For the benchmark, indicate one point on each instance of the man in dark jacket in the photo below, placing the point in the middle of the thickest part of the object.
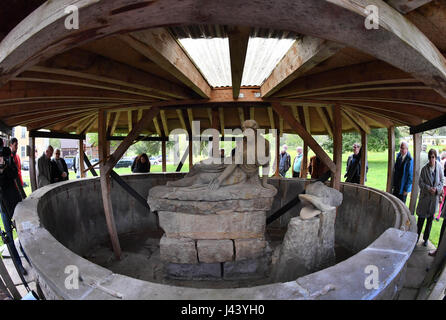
(353, 172)
(59, 169)
(285, 161)
(402, 173)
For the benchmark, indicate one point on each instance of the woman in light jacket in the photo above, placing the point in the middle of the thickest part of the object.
(431, 187)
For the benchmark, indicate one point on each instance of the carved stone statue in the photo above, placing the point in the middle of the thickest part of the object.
(221, 181)
(216, 215)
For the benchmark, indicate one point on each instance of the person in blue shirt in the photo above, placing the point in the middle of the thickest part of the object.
(297, 162)
(402, 173)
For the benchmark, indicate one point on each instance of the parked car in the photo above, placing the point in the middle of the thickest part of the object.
(153, 160)
(25, 165)
(124, 163)
(70, 163)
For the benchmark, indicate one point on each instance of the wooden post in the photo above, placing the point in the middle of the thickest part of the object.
(416, 171)
(106, 185)
(81, 158)
(363, 157)
(337, 147)
(163, 155)
(32, 163)
(390, 156)
(304, 164)
(191, 155)
(276, 174)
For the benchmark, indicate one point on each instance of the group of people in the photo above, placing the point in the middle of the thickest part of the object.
(316, 168)
(11, 186)
(51, 170)
(432, 181)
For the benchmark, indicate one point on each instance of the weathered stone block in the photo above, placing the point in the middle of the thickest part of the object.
(225, 225)
(248, 268)
(299, 250)
(326, 253)
(211, 251)
(249, 248)
(178, 250)
(200, 271)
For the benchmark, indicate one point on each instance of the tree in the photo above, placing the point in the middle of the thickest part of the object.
(376, 140)
(55, 143)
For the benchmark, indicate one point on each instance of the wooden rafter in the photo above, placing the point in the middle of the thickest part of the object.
(221, 114)
(369, 73)
(406, 6)
(307, 119)
(190, 115)
(304, 54)
(325, 120)
(271, 118)
(157, 126)
(180, 116)
(241, 115)
(164, 122)
(159, 46)
(238, 45)
(357, 119)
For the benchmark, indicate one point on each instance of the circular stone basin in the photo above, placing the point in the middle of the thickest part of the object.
(62, 228)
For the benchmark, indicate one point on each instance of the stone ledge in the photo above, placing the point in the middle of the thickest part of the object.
(228, 225)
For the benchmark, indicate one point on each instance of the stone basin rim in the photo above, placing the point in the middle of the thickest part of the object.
(41, 246)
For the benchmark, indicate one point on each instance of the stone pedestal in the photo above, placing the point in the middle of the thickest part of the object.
(223, 245)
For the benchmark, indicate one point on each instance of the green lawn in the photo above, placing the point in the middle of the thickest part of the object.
(376, 178)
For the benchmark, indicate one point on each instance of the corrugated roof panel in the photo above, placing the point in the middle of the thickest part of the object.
(262, 56)
(212, 57)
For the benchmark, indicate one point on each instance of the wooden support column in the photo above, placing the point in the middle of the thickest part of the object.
(337, 147)
(276, 174)
(106, 185)
(304, 164)
(191, 155)
(390, 156)
(81, 157)
(32, 163)
(416, 171)
(163, 155)
(363, 157)
(303, 121)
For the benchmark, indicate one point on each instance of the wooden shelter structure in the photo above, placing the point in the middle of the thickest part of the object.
(124, 70)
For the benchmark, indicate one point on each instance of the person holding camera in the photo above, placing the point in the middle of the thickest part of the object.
(9, 197)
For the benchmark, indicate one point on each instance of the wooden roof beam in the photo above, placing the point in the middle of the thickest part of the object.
(325, 120)
(304, 54)
(158, 45)
(368, 73)
(164, 122)
(86, 65)
(406, 6)
(357, 119)
(180, 116)
(238, 45)
(25, 46)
